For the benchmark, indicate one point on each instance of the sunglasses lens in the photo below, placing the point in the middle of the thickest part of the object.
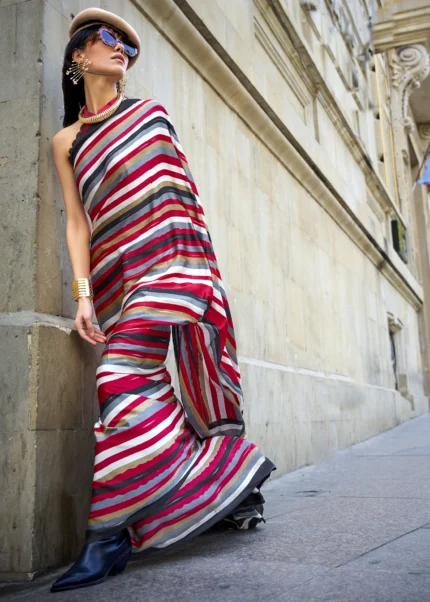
(130, 50)
(107, 37)
(110, 40)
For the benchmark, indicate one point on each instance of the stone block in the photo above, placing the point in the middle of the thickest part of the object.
(17, 482)
(57, 379)
(69, 305)
(19, 151)
(17, 265)
(14, 378)
(295, 315)
(47, 406)
(213, 17)
(90, 357)
(264, 388)
(244, 151)
(240, 15)
(64, 467)
(212, 105)
(235, 260)
(20, 31)
(48, 283)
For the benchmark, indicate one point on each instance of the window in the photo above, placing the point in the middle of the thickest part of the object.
(398, 234)
(397, 354)
(394, 358)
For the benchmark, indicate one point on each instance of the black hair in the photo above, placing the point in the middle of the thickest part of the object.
(74, 94)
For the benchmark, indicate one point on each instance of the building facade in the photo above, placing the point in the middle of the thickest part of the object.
(305, 126)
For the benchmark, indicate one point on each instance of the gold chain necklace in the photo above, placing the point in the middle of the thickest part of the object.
(104, 114)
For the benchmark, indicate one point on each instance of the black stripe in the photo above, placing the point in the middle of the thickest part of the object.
(92, 128)
(133, 210)
(125, 482)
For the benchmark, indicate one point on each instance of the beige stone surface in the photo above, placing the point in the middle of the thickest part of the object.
(48, 408)
(18, 472)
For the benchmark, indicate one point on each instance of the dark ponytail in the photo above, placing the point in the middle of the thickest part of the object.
(74, 94)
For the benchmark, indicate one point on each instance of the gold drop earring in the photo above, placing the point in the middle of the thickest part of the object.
(122, 82)
(78, 69)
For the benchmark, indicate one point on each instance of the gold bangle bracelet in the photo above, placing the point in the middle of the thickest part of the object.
(82, 288)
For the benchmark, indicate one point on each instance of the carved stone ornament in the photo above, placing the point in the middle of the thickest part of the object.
(424, 131)
(394, 323)
(410, 66)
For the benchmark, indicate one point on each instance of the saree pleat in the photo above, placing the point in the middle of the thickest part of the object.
(167, 469)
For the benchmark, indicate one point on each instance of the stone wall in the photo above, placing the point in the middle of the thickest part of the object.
(297, 213)
(47, 388)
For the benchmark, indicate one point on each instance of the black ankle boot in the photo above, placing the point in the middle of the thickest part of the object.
(97, 560)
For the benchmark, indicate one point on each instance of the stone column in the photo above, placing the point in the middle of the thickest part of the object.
(410, 65)
(47, 372)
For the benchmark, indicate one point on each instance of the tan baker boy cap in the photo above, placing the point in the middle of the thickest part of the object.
(91, 16)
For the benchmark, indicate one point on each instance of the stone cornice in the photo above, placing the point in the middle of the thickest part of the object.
(178, 22)
(402, 23)
(336, 114)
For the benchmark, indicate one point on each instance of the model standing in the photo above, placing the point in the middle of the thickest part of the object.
(141, 253)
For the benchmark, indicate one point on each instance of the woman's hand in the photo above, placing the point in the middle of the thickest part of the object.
(84, 324)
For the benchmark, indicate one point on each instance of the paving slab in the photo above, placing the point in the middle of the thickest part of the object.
(408, 553)
(345, 585)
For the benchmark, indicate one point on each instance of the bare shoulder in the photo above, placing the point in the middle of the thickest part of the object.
(63, 139)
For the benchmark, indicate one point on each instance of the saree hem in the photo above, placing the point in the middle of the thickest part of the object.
(259, 478)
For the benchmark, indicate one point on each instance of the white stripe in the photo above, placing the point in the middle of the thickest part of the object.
(138, 126)
(129, 370)
(116, 410)
(119, 141)
(141, 192)
(203, 459)
(148, 173)
(113, 319)
(101, 380)
(178, 280)
(216, 511)
(147, 234)
(135, 441)
(161, 300)
(125, 153)
(127, 401)
(105, 126)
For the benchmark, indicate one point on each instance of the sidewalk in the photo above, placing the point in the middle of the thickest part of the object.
(353, 529)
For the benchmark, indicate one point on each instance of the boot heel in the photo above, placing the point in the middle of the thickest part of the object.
(120, 564)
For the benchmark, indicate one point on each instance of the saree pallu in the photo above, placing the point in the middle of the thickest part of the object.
(166, 469)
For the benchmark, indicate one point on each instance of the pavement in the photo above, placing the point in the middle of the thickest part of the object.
(355, 528)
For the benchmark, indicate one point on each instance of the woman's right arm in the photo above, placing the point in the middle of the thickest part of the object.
(77, 235)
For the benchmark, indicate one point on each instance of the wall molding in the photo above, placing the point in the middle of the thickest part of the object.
(335, 113)
(300, 91)
(188, 34)
(401, 24)
(340, 378)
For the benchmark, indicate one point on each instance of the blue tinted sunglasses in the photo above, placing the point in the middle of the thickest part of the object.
(110, 40)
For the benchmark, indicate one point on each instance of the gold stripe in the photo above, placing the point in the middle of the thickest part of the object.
(196, 516)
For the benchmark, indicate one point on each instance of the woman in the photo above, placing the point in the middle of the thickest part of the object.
(164, 471)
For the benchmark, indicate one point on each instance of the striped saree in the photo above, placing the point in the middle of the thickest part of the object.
(166, 469)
